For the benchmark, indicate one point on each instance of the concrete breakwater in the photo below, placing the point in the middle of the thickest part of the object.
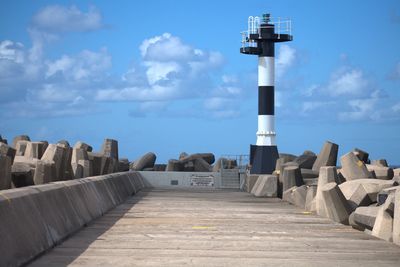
(360, 192)
(36, 218)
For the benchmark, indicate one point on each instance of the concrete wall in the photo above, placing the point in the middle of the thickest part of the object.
(181, 179)
(36, 218)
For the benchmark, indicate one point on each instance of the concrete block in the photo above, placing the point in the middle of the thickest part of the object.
(309, 174)
(174, 166)
(327, 156)
(353, 168)
(86, 168)
(305, 161)
(326, 175)
(225, 164)
(296, 196)
(77, 170)
(96, 160)
(337, 208)
(35, 150)
(20, 147)
(5, 172)
(291, 176)
(183, 155)
(22, 174)
(55, 153)
(84, 146)
(363, 218)
(63, 143)
(287, 157)
(311, 204)
(250, 180)
(19, 138)
(8, 151)
(208, 157)
(79, 154)
(2, 140)
(278, 164)
(123, 165)
(311, 181)
(381, 172)
(380, 163)
(66, 171)
(396, 218)
(108, 165)
(110, 149)
(145, 161)
(200, 165)
(340, 176)
(160, 167)
(359, 198)
(45, 172)
(280, 175)
(288, 196)
(384, 193)
(189, 166)
(371, 186)
(80, 163)
(265, 186)
(383, 227)
(361, 155)
(309, 153)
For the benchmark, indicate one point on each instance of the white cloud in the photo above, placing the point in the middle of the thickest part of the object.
(54, 93)
(154, 93)
(360, 109)
(166, 47)
(87, 64)
(161, 71)
(344, 82)
(308, 106)
(396, 107)
(168, 70)
(347, 82)
(173, 70)
(12, 51)
(310, 90)
(284, 60)
(56, 18)
(229, 79)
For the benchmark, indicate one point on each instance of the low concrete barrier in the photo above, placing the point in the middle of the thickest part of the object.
(36, 218)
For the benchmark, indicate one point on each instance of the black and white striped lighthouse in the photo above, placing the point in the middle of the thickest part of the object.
(260, 39)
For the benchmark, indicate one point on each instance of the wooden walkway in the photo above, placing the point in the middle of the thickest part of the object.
(216, 228)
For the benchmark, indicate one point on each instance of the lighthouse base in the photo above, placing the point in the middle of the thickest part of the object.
(263, 159)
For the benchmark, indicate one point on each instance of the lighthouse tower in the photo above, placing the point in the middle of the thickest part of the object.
(260, 39)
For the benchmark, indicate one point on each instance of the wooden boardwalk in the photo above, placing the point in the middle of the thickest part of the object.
(216, 228)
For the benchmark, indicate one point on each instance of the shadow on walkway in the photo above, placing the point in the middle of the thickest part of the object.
(80, 241)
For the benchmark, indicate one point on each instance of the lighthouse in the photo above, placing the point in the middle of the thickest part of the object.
(260, 39)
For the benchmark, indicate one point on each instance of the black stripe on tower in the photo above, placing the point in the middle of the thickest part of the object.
(266, 100)
(267, 49)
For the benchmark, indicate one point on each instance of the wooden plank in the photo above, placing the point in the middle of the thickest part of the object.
(217, 228)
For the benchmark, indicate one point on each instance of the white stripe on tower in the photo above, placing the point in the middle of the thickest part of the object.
(266, 71)
(266, 122)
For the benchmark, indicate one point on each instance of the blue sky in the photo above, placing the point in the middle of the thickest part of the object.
(167, 76)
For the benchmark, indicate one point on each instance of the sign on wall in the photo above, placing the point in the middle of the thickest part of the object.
(202, 180)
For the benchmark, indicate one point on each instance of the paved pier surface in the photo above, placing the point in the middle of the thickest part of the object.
(216, 228)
